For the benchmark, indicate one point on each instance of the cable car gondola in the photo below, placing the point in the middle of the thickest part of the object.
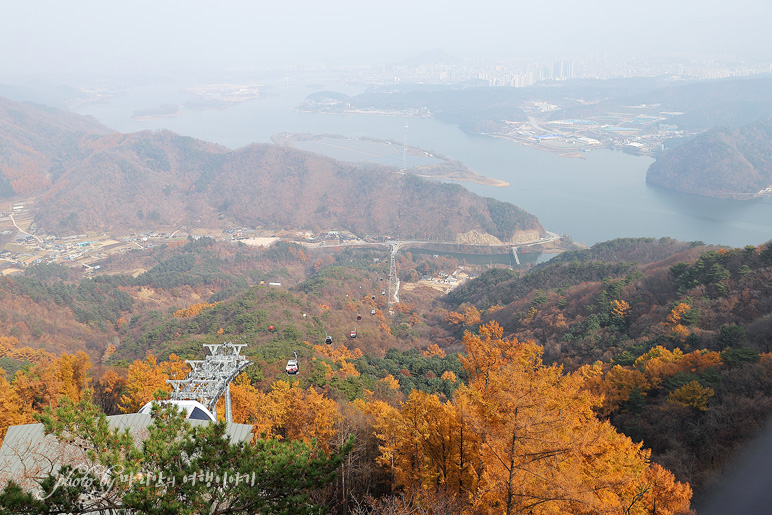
(354, 333)
(292, 365)
(359, 316)
(328, 340)
(372, 311)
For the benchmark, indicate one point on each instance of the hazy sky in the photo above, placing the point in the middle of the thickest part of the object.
(55, 36)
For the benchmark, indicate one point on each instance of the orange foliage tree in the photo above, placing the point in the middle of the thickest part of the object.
(12, 410)
(692, 394)
(41, 385)
(193, 309)
(244, 400)
(47, 381)
(468, 317)
(108, 391)
(675, 315)
(619, 309)
(147, 377)
(521, 437)
(434, 350)
(341, 356)
(613, 386)
(286, 412)
(423, 444)
(660, 363)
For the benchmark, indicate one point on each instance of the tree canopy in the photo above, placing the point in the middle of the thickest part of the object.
(177, 469)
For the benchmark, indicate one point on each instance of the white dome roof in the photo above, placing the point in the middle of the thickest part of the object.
(193, 409)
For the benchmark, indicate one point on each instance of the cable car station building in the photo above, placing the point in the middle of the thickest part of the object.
(28, 454)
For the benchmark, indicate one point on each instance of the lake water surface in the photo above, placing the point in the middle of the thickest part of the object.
(597, 198)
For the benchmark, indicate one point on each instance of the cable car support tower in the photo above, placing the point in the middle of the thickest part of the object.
(393, 277)
(211, 377)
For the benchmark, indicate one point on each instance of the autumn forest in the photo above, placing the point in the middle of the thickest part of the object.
(623, 378)
(608, 380)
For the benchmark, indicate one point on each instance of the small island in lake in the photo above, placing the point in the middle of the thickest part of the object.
(162, 111)
(223, 96)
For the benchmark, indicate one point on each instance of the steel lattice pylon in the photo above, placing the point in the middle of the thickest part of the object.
(393, 277)
(211, 377)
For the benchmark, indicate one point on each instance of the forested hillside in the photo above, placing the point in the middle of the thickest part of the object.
(56, 308)
(679, 347)
(83, 177)
(37, 144)
(411, 453)
(630, 351)
(722, 163)
(667, 341)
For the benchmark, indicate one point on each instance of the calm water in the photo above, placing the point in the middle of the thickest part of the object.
(600, 197)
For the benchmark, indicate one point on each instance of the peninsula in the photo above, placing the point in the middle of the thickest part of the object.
(383, 152)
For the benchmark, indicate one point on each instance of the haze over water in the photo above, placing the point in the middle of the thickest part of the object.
(598, 198)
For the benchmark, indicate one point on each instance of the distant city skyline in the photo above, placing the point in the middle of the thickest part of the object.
(79, 37)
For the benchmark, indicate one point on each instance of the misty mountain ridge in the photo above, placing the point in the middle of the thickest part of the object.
(42, 92)
(37, 143)
(87, 177)
(705, 104)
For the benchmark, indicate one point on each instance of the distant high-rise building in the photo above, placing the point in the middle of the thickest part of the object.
(563, 69)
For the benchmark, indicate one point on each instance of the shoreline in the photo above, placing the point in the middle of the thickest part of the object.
(483, 181)
(445, 169)
(567, 153)
(151, 117)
